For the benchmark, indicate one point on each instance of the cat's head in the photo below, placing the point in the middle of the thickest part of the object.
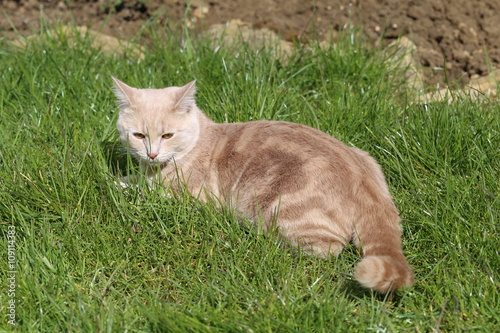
(158, 125)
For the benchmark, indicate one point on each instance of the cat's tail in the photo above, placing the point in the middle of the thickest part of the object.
(384, 267)
(384, 273)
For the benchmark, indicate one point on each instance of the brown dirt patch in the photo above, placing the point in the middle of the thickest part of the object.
(461, 36)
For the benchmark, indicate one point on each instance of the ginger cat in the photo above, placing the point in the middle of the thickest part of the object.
(320, 193)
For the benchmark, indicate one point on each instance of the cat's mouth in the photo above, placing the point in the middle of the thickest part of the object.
(157, 163)
(160, 162)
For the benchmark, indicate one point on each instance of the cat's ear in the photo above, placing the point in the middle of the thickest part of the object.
(185, 97)
(124, 93)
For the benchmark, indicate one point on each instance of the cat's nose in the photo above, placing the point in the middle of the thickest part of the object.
(152, 155)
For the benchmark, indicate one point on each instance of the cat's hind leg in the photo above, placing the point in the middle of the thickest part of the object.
(314, 233)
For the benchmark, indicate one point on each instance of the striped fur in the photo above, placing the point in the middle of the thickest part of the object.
(320, 193)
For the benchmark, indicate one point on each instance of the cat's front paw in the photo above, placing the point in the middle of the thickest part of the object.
(126, 182)
(122, 184)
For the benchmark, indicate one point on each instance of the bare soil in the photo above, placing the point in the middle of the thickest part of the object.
(461, 36)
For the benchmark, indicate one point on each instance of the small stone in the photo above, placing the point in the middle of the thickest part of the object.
(201, 8)
(462, 56)
(201, 12)
(487, 85)
(106, 43)
(61, 6)
(10, 5)
(406, 57)
(237, 31)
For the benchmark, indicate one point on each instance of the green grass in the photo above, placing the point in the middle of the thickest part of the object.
(92, 257)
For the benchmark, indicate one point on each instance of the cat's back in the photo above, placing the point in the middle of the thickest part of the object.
(272, 139)
(286, 157)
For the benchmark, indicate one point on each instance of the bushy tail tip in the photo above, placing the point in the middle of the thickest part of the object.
(384, 273)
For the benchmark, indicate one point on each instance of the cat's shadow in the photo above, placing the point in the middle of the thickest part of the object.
(119, 161)
(352, 288)
(355, 292)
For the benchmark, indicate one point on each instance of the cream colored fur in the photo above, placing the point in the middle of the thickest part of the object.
(321, 193)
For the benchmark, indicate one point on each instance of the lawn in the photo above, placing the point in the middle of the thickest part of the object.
(81, 254)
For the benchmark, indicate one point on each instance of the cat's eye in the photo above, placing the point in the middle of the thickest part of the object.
(167, 135)
(139, 135)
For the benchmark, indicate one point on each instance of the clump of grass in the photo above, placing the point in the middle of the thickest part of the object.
(94, 257)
